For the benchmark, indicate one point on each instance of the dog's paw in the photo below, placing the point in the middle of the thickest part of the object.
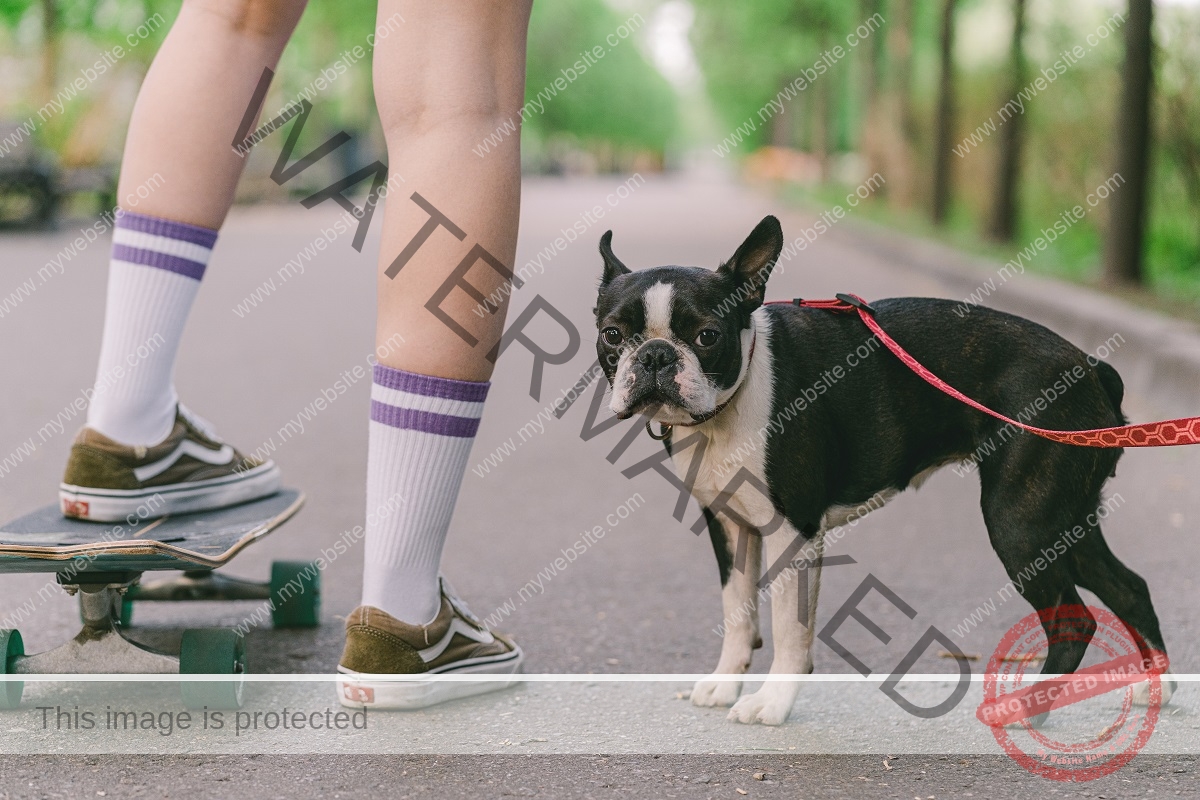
(1141, 691)
(1035, 722)
(770, 705)
(716, 693)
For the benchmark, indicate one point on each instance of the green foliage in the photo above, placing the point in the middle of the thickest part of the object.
(11, 11)
(620, 98)
(1174, 240)
(1068, 152)
(98, 25)
(324, 36)
(748, 51)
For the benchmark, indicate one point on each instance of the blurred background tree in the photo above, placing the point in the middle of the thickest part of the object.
(925, 114)
(1173, 237)
(619, 108)
(943, 124)
(46, 44)
(622, 106)
(1131, 138)
(1006, 211)
(749, 52)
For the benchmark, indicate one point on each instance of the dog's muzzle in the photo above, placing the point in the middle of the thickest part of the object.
(654, 369)
(656, 357)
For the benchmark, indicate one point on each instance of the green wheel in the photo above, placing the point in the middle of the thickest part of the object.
(295, 594)
(212, 651)
(12, 646)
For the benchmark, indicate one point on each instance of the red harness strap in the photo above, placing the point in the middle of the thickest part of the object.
(1147, 434)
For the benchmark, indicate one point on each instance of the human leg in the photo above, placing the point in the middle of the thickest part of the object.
(177, 183)
(443, 82)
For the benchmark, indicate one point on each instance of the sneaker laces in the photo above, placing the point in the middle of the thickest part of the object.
(198, 422)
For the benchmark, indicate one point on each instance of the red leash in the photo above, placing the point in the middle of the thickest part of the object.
(1147, 434)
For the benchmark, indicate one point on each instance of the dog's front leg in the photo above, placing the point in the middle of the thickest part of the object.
(772, 704)
(739, 624)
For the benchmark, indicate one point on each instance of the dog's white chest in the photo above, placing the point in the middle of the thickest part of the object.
(735, 440)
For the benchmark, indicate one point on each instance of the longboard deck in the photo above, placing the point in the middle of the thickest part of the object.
(46, 541)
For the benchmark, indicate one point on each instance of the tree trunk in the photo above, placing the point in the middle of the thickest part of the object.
(1127, 215)
(871, 141)
(944, 124)
(823, 115)
(50, 27)
(1180, 141)
(781, 123)
(1006, 212)
(899, 120)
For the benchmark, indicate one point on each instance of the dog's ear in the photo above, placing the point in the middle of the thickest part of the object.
(613, 267)
(751, 265)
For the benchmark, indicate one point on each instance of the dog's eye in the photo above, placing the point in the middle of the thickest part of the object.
(612, 336)
(708, 337)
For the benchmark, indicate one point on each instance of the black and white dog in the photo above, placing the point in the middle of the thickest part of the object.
(701, 348)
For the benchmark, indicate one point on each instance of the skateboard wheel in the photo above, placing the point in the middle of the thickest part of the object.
(212, 651)
(295, 594)
(12, 646)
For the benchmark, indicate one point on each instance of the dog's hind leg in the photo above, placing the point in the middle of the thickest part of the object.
(1024, 518)
(1099, 571)
(739, 603)
(792, 638)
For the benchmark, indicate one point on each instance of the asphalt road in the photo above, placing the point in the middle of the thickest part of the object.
(577, 777)
(642, 599)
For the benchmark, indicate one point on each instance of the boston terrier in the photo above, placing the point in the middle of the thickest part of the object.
(786, 422)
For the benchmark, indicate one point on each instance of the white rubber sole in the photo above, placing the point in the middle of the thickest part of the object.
(367, 691)
(119, 505)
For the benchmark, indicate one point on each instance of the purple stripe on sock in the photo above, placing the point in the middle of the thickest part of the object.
(151, 258)
(205, 237)
(429, 386)
(424, 421)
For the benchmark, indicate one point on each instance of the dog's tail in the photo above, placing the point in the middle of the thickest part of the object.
(1114, 387)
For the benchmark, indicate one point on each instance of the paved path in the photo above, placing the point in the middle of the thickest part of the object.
(641, 599)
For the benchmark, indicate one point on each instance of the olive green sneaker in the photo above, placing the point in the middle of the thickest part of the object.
(190, 470)
(455, 643)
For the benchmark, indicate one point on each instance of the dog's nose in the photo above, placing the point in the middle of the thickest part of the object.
(655, 356)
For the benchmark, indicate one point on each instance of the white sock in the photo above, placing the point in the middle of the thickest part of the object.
(422, 429)
(152, 279)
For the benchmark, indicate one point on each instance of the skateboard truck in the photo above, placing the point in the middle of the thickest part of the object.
(293, 592)
(200, 585)
(101, 647)
(103, 566)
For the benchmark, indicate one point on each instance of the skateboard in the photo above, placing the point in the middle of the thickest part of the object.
(103, 564)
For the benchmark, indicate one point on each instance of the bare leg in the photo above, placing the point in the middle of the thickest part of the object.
(192, 100)
(444, 81)
(177, 182)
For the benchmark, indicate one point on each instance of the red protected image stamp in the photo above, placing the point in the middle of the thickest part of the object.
(1080, 749)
